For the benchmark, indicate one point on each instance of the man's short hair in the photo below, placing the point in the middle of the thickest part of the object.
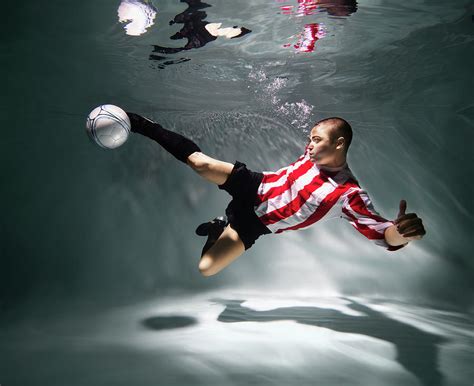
(340, 129)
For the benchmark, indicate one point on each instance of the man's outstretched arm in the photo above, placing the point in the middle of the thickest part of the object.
(407, 227)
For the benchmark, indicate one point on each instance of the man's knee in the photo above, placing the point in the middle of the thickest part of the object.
(198, 161)
(206, 266)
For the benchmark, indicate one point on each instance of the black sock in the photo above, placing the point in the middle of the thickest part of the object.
(180, 147)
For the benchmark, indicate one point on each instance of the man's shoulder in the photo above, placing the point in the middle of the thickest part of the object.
(346, 177)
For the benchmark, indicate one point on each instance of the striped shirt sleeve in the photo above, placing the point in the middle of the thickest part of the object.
(361, 214)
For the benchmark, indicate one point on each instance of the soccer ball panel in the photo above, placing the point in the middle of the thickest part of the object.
(108, 126)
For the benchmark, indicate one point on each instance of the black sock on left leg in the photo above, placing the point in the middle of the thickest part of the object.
(176, 144)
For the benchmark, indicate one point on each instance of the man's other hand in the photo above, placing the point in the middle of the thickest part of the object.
(409, 225)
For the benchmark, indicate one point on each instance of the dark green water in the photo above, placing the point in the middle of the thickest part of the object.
(83, 224)
(98, 278)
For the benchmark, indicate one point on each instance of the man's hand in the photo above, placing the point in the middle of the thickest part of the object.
(409, 225)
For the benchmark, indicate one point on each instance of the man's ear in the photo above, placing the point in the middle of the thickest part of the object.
(340, 143)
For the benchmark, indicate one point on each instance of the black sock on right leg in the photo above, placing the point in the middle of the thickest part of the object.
(216, 228)
(207, 246)
(176, 144)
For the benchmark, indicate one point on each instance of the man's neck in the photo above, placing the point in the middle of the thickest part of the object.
(335, 166)
(333, 169)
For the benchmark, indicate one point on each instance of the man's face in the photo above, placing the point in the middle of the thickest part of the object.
(322, 148)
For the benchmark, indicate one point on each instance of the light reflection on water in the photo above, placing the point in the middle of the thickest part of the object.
(196, 31)
(138, 16)
(230, 338)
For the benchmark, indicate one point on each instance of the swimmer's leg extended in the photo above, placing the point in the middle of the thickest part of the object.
(216, 254)
(183, 149)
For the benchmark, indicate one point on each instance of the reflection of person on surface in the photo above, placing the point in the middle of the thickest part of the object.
(307, 39)
(312, 32)
(416, 349)
(196, 30)
(318, 185)
(338, 7)
(311, 7)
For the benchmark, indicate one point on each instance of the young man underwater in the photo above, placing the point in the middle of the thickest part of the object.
(318, 185)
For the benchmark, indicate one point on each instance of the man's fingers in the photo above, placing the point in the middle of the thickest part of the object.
(419, 232)
(407, 230)
(405, 217)
(404, 225)
(409, 225)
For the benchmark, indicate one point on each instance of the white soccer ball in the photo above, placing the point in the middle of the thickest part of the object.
(108, 126)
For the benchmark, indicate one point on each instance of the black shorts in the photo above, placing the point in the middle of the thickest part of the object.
(242, 185)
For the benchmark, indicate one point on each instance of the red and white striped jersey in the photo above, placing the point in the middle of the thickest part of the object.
(301, 194)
